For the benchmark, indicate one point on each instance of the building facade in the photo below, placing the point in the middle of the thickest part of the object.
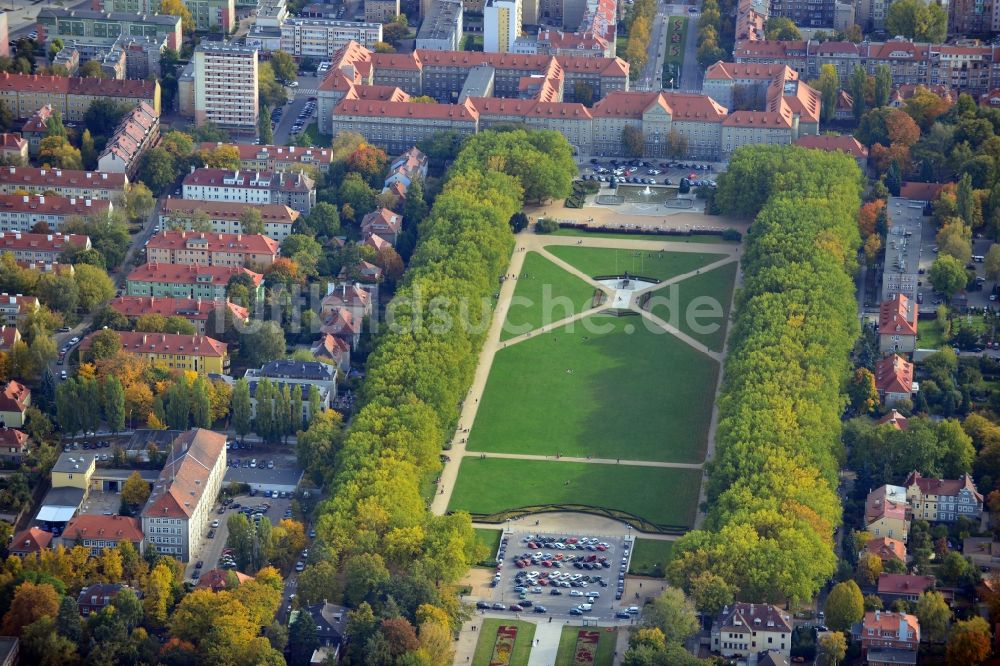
(943, 500)
(207, 249)
(198, 353)
(187, 281)
(321, 38)
(502, 20)
(109, 25)
(197, 312)
(897, 325)
(21, 212)
(136, 133)
(278, 158)
(226, 85)
(40, 247)
(742, 629)
(64, 183)
(295, 190)
(225, 216)
(71, 96)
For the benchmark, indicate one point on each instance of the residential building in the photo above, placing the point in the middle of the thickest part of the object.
(9, 336)
(894, 419)
(4, 51)
(14, 401)
(198, 353)
(14, 148)
(306, 375)
(73, 470)
(71, 96)
(94, 597)
(278, 158)
(889, 639)
(384, 223)
(179, 510)
(331, 626)
(943, 500)
(98, 532)
(295, 190)
(226, 87)
(217, 580)
(377, 243)
(886, 513)
(322, 38)
(441, 28)
(742, 629)
(897, 324)
(335, 349)
(64, 183)
(110, 25)
(894, 379)
(48, 267)
(27, 246)
(20, 213)
(409, 166)
(14, 308)
(28, 542)
(225, 216)
(196, 311)
(14, 445)
(187, 281)
(203, 248)
(905, 587)
(837, 143)
(136, 133)
(208, 15)
(341, 323)
(886, 549)
(35, 128)
(502, 21)
(381, 11)
(806, 13)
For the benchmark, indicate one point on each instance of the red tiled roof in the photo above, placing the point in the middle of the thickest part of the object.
(31, 176)
(228, 210)
(137, 342)
(681, 106)
(213, 242)
(499, 106)
(12, 141)
(15, 397)
(38, 123)
(894, 374)
(13, 438)
(895, 419)
(383, 218)
(189, 274)
(749, 70)
(920, 191)
(341, 321)
(844, 143)
(464, 112)
(22, 240)
(897, 50)
(189, 308)
(41, 204)
(742, 616)
(330, 346)
(942, 487)
(217, 579)
(897, 316)
(347, 295)
(9, 336)
(129, 88)
(772, 49)
(879, 503)
(887, 548)
(887, 622)
(249, 151)
(109, 528)
(890, 583)
(30, 541)
(184, 478)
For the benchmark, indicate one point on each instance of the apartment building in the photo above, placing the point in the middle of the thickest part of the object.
(225, 216)
(15, 307)
(197, 353)
(21, 212)
(208, 15)
(196, 311)
(742, 629)
(136, 133)
(501, 25)
(441, 28)
(14, 148)
(806, 13)
(970, 17)
(886, 513)
(64, 183)
(71, 96)
(210, 249)
(295, 190)
(27, 246)
(897, 324)
(381, 11)
(179, 510)
(304, 374)
(110, 25)
(894, 379)
(278, 158)
(35, 128)
(99, 532)
(943, 500)
(187, 281)
(226, 88)
(321, 38)
(889, 639)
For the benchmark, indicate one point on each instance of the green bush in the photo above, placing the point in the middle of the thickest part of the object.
(546, 225)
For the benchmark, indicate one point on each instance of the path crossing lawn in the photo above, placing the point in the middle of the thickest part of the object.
(595, 261)
(650, 557)
(604, 655)
(666, 496)
(487, 638)
(574, 391)
(545, 293)
(714, 293)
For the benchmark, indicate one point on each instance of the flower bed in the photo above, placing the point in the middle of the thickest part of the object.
(503, 647)
(586, 647)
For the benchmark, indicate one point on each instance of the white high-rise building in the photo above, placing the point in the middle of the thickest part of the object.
(501, 25)
(226, 85)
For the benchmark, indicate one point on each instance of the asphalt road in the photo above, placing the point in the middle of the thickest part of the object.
(306, 89)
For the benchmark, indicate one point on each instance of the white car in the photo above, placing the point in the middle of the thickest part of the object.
(575, 593)
(215, 523)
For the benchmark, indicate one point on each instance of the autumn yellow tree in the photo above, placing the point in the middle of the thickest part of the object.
(179, 8)
(31, 602)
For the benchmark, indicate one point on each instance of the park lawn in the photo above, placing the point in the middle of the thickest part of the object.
(694, 238)
(628, 391)
(314, 136)
(596, 261)
(490, 539)
(488, 635)
(605, 654)
(930, 334)
(673, 55)
(650, 557)
(710, 288)
(662, 495)
(544, 294)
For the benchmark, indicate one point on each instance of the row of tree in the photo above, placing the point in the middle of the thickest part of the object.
(772, 485)
(395, 556)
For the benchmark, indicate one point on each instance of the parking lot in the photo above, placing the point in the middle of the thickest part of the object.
(561, 575)
(638, 172)
(262, 469)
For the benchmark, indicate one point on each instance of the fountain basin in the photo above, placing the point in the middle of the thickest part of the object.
(645, 193)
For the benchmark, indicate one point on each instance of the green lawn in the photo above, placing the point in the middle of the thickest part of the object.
(673, 56)
(694, 238)
(545, 293)
(930, 334)
(605, 653)
(620, 391)
(490, 539)
(650, 557)
(488, 635)
(714, 293)
(313, 134)
(665, 496)
(596, 261)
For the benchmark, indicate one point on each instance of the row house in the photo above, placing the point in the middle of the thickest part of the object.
(21, 212)
(136, 133)
(208, 249)
(278, 158)
(226, 217)
(195, 310)
(26, 246)
(71, 96)
(295, 190)
(64, 183)
(188, 281)
(197, 353)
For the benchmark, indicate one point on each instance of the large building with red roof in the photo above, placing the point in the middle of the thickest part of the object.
(63, 182)
(27, 246)
(21, 212)
(897, 324)
(208, 249)
(71, 96)
(174, 351)
(889, 639)
(943, 500)
(187, 281)
(98, 532)
(226, 216)
(196, 311)
(177, 515)
(278, 158)
(894, 379)
(836, 143)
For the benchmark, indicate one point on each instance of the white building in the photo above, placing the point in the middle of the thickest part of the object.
(743, 629)
(177, 516)
(306, 374)
(441, 29)
(501, 25)
(226, 85)
(321, 38)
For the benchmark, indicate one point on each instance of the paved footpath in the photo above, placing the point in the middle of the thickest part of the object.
(546, 644)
